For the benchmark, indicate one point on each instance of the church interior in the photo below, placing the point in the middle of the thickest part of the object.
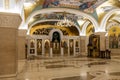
(60, 39)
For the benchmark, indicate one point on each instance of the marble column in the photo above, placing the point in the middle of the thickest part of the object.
(9, 24)
(102, 40)
(51, 52)
(62, 53)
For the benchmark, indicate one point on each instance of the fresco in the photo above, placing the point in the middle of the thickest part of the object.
(114, 41)
(45, 31)
(114, 37)
(85, 5)
(58, 15)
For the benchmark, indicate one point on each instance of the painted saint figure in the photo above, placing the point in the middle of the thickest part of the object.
(32, 44)
(47, 3)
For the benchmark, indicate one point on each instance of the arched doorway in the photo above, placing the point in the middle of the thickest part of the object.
(56, 43)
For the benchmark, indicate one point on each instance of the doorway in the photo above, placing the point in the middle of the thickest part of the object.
(56, 43)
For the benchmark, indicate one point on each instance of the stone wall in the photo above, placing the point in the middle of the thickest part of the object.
(21, 44)
(9, 24)
(8, 51)
(83, 45)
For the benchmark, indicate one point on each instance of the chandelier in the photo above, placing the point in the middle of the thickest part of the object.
(65, 23)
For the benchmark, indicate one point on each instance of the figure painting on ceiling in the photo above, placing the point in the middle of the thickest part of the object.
(47, 3)
(86, 5)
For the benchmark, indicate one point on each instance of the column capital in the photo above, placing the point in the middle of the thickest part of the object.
(101, 33)
(10, 20)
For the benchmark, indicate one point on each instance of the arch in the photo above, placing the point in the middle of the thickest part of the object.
(106, 17)
(73, 11)
(55, 30)
(56, 36)
(83, 32)
(111, 24)
(48, 20)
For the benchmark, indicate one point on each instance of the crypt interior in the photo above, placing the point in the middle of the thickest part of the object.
(60, 39)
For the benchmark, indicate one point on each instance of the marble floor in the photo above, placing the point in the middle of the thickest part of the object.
(81, 68)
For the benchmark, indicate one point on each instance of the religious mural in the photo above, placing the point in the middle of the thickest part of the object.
(77, 46)
(39, 46)
(32, 46)
(58, 15)
(90, 30)
(32, 43)
(56, 39)
(114, 37)
(47, 47)
(85, 5)
(94, 45)
(65, 47)
(71, 45)
(45, 31)
(88, 6)
(114, 41)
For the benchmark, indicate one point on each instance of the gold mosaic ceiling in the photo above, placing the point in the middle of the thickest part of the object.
(96, 8)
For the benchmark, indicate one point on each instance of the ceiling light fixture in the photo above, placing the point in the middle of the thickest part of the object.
(65, 23)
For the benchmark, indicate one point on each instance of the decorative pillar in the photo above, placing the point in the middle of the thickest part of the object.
(87, 42)
(74, 40)
(62, 53)
(9, 24)
(107, 42)
(68, 48)
(83, 45)
(43, 49)
(35, 47)
(51, 53)
(79, 45)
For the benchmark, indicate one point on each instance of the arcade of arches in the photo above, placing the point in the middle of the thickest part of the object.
(59, 39)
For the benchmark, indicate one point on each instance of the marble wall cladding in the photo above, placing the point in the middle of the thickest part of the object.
(8, 51)
(10, 20)
(9, 23)
(21, 47)
(102, 43)
(83, 44)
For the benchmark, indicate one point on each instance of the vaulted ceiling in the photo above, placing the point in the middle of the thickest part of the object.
(94, 8)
